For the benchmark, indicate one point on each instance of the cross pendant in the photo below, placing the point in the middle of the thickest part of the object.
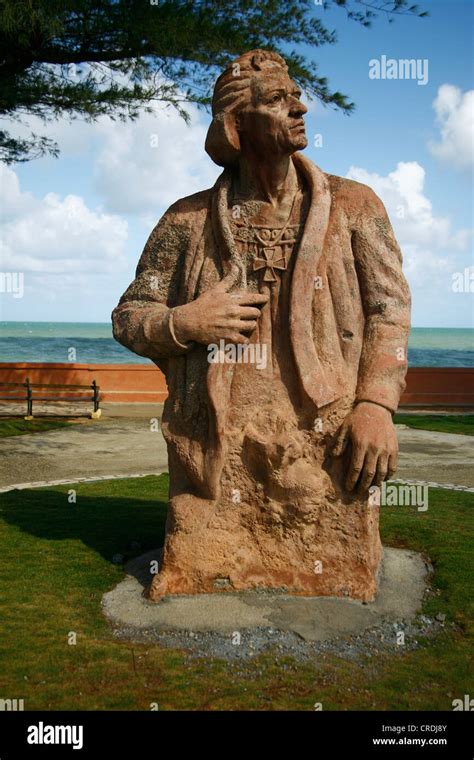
(272, 260)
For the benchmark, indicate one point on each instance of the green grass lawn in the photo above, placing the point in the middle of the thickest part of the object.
(453, 423)
(56, 564)
(13, 426)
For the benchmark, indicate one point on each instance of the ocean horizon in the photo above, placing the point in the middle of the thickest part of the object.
(94, 343)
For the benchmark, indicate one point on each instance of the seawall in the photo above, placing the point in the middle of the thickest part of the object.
(426, 386)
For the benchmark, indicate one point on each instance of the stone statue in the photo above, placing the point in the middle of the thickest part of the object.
(276, 307)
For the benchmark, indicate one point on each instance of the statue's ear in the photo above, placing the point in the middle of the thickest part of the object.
(222, 141)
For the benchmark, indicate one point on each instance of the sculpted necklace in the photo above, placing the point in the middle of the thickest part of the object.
(269, 245)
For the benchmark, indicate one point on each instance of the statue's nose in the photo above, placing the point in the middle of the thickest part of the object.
(297, 108)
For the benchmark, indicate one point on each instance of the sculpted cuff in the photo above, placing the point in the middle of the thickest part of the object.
(177, 343)
(377, 403)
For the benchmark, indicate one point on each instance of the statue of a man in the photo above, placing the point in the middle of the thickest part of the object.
(276, 307)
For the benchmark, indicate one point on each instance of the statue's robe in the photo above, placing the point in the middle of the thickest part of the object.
(257, 500)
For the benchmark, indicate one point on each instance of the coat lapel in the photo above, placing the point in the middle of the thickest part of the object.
(312, 376)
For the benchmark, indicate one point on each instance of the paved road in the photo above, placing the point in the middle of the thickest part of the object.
(439, 457)
(125, 446)
(95, 447)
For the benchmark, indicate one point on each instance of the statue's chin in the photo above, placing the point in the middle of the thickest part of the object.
(299, 143)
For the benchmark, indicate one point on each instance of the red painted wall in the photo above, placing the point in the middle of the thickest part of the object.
(426, 386)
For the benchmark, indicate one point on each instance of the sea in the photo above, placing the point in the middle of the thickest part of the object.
(93, 343)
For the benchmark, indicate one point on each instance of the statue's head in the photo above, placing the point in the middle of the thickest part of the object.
(256, 108)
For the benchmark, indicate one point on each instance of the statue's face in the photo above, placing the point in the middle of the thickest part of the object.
(273, 121)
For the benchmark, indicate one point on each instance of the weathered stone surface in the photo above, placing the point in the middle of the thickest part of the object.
(276, 306)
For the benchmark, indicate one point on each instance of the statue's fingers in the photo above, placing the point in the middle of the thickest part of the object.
(243, 325)
(247, 312)
(355, 467)
(341, 441)
(247, 299)
(236, 337)
(225, 284)
(368, 473)
(392, 465)
(381, 473)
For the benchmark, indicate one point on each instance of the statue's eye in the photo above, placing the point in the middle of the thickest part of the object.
(275, 98)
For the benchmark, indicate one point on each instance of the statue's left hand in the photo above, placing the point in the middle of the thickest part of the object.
(369, 430)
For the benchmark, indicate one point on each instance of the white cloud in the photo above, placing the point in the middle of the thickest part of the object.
(72, 252)
(411, 212)
(55, 235)
(431, 249)
(146, 165)
(455, 117)
(140, 167)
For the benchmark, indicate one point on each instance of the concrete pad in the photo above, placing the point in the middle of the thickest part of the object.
(402, 584)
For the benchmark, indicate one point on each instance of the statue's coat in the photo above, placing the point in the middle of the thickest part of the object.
(349, 313)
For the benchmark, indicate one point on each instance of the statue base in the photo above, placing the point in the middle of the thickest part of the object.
(308, 548)
(402, 583)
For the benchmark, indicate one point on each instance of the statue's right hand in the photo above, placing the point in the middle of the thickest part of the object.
(218, 314)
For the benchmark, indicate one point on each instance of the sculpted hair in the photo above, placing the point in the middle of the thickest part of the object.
(232, 92)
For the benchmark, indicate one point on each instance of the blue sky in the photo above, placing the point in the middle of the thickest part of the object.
(76, 226)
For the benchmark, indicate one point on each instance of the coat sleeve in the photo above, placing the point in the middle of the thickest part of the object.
(386, 302)
(141, 320)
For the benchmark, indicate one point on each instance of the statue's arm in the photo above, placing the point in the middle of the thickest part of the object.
(141, 321)
(386, 302)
